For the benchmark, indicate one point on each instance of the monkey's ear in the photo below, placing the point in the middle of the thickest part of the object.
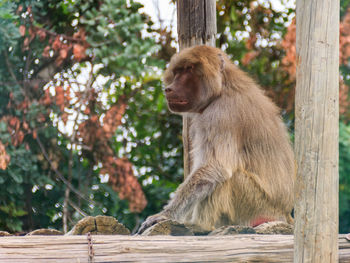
(222, 62)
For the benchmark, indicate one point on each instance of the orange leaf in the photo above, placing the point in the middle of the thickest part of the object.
(22, 30)
(56, 45)
(63, 53)
(19, 9)
(26, 43)
(248, 57)
(35, 135)
(60, 97)
(46, 100)
(46, 52)
(4, 157)
(125, 183)
(79, 52)
(94, 118)
(32, 33)
(64, 117)
(25, 125)
(41, 34)
(13, 121)
(20, 137)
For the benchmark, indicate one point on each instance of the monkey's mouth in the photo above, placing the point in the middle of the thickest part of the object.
(178, 101)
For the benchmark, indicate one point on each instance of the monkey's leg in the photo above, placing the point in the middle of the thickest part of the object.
(197, 186)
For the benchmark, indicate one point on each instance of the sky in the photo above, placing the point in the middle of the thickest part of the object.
(163, 9)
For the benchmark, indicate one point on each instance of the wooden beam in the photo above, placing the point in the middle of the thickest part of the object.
(316, 131)
(114, 248)
(196, 25)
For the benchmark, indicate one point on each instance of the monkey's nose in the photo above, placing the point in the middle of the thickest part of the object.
(168, 90)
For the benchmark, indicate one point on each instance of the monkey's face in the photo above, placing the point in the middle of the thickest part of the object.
(182, 93)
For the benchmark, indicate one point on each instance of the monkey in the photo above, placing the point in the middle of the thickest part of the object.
(242, 159)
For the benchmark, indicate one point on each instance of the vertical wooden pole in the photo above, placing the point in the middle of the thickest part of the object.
(316, 131)
(196, 25)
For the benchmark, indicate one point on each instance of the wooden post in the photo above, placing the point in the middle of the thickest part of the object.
(316, 131)
(196, 25)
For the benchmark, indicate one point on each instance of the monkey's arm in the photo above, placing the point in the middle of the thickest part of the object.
(200, 184)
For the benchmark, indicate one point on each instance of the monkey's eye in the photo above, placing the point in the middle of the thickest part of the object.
(178, 71)
(184, 69)
(189, 68)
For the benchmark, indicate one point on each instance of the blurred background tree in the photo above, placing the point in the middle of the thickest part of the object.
(84, 127)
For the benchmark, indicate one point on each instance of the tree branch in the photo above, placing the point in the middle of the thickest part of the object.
(60, 176)
(9, 67)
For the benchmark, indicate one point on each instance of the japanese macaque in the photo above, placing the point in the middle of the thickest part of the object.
(242, 163)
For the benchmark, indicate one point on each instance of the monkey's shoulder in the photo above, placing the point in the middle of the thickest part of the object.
(254, 116)
(232, 109)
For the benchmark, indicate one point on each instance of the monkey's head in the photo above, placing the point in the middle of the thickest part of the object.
(193, 78)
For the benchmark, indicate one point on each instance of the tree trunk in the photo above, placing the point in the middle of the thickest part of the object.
(316, 131)
(196, 25)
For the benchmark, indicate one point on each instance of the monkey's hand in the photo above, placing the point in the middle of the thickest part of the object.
(152, 220)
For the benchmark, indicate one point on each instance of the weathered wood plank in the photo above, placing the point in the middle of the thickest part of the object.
(316, 130)
(239, 248)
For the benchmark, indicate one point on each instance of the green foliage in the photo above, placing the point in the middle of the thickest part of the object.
(344, 178)
(114, 33)
(344, 5)
(247, 28)
(8, 30)
(31, 188)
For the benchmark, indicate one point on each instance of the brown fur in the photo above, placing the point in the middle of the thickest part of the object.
(242, 160)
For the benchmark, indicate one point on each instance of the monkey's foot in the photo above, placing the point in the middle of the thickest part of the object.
(150, 221)
(168, 227)
(275, 227)
(99, 225)
(45, 232)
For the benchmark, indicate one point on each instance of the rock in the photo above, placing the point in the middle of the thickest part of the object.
(45, 232)
(275, 227)
(232, 230)
(197, 230)
(4, 234)
(99, 225)
(168, 227)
